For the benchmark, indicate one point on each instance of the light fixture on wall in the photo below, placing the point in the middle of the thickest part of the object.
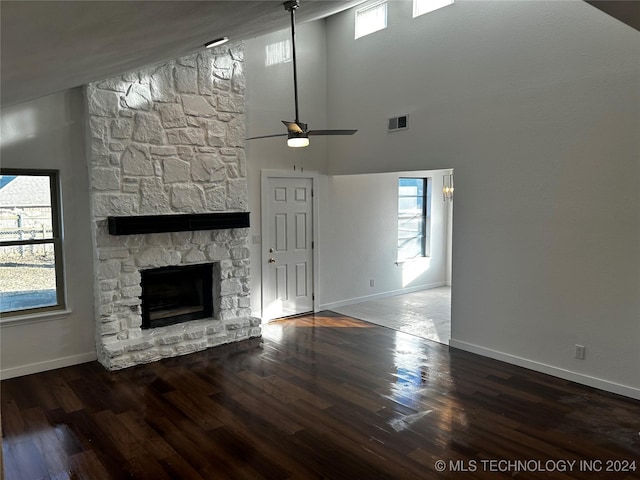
(216, 42)
(447, 187)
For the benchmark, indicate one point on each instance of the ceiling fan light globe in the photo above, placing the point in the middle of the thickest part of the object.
(297, 142)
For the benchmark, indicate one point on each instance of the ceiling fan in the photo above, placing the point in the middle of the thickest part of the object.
(298, 132)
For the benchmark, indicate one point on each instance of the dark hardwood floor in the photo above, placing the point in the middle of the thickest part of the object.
(322, 396)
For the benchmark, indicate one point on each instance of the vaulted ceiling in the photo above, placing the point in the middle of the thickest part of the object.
(50, 46)
(627, 11)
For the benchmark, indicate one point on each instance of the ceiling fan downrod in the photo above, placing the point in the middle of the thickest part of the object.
(291, 7)
(297, 132)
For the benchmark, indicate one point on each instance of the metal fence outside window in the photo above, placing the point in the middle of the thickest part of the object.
(25, 225)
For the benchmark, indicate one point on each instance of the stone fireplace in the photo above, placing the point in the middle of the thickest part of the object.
(169, 140)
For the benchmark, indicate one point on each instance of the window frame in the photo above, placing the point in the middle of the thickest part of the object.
(55, 240)
(425, 217)
(371, 6)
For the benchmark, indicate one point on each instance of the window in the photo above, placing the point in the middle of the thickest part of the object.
(420, 7)
(30, 242)
(371, 19)
(414, 216)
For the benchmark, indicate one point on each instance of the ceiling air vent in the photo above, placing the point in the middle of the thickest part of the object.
(398, 123)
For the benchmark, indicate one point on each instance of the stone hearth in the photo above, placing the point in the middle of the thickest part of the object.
(169, 140)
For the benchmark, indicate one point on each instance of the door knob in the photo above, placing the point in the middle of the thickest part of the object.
(272, 260)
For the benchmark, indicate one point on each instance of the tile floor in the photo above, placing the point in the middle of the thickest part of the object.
(426, 313)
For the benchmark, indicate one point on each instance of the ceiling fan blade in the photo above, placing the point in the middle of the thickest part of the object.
(294, 126)
(332, 132)
(268, 136)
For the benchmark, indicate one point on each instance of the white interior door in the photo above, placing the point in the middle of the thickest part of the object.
(287, 247)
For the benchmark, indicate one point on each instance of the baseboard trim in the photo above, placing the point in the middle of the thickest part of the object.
(548, 369)
(376, 296)
(31, 368)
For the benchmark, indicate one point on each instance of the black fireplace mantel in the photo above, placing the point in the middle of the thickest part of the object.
(177, 223)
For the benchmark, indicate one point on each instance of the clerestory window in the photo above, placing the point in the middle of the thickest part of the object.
(371, 18)
(420, 7)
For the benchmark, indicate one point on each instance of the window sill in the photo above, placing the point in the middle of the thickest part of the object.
(399, 263)
(17, 320)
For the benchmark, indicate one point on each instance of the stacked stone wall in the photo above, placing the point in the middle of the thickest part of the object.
(169, 140)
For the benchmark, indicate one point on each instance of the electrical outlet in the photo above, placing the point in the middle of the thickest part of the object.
(580, 352)
(372, 283)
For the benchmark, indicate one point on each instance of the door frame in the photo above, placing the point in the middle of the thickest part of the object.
(265, 175)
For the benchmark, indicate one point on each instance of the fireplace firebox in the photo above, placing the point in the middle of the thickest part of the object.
(173, 295)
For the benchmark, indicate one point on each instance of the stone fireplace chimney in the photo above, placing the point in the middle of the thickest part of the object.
(169, 140)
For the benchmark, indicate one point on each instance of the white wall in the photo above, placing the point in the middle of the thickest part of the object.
(269, 98)
(449, 268)
(358, 240)
(49, 133)
(536, 105)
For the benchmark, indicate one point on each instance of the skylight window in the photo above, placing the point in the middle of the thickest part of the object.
(371, 19)
(420, 7)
